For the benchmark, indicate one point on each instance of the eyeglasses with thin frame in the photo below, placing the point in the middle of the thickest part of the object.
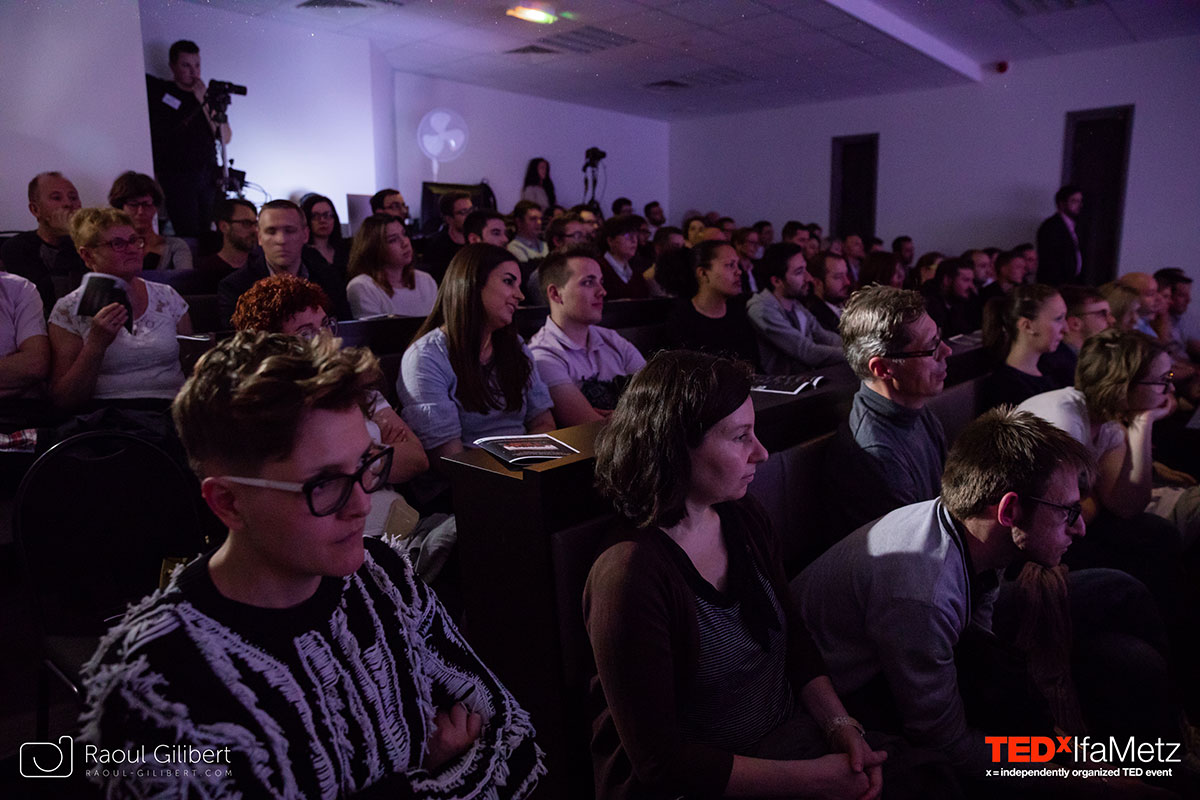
(328, 494)
(937, 345)
(119, 245)
(323, 215)
(1073, 511)
(1167, 382)
(137, 205)
(327, 324)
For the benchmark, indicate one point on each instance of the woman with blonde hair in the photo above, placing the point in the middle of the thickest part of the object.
(383, 280)
(126, 350)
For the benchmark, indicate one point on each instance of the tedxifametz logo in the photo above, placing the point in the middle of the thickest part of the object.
(57, 760)
(1109, 757)
(47, 759)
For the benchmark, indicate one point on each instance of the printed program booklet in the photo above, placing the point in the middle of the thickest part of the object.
(100, 290)
(785, 384)
(527, 449)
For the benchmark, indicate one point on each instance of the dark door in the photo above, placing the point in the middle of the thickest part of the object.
(1096, 159)
(852, 186)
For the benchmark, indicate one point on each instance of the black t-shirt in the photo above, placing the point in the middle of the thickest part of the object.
(730, 335)
(179, 131)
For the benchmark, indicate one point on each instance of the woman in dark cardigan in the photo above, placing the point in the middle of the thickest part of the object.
(709, 683)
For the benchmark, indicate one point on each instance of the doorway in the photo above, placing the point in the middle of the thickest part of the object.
(852, 186)
(1096, 159)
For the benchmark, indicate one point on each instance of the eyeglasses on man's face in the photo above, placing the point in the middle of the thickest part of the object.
(935, 346)
(1073, 511)
(328, 494)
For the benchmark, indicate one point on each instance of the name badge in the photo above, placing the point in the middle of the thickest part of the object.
(172, 101)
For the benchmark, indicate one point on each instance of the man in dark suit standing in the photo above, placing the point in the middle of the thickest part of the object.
(1060, 259)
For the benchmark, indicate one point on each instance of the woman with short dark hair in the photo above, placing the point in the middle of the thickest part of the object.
(712, 316)
(139, 196)
(709, 682)
(325, 231)
(467, 373)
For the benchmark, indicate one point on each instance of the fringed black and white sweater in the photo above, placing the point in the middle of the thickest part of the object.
(334, 697)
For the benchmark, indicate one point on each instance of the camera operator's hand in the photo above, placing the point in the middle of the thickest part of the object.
(199, 88)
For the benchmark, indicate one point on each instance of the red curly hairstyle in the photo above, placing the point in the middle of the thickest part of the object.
(270, 302)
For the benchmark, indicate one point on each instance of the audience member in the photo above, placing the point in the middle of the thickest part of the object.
(854, 253)
(708, 683)
(24, 345)
(527, 245)
(589, 214)
(794, 232)
(139, 196)
(284, 303)
(1060, 259)
(902, 609)
(237, 221)
(1176, 288)
(1019, 329)
(1153, 305)
(985, 273)
(182, 135)
(1125, 303)
(727, 225)
(1087, 315)
(745, 241)
(693, 228)
(950, 298)
(622, 205)
(831, 287)
(486, 225)
(765, 231)
(126, 351)
(653, 212)
(384, 280)
(890, 451)
(583, 365)
(712, 317)
(668, 245)
(1028, 252)
(467, 373)
(622, 268)
(389, 201)
(1010, 273)
(454, 208)
(568, 230)
(282, 232)
(790, 339)
(242, 647)
(883, 268)
(903, 247)
(537, 187)
(325, 233)
(46, 256)
(924, 270)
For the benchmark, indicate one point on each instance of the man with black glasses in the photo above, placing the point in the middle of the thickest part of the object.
(891, 450)
(297, 659)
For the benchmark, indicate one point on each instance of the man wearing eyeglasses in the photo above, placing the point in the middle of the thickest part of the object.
(909, 615)
(303, 660)
(1088, 313)
(891, 450)
(282, 233)
(237, 220)
(454, 207)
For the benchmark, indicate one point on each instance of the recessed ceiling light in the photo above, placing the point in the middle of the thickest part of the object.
(533, 12)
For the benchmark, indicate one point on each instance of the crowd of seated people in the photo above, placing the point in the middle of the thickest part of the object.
(702, 557)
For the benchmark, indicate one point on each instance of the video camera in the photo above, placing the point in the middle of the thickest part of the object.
(217, 97)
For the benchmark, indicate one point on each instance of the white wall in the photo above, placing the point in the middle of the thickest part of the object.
(506, 130)
(969, 165)
(307, 123)
(72, 98)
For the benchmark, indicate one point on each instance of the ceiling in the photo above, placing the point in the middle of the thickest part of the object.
(673, 59)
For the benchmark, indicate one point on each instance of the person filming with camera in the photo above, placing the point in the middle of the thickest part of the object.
(183, 131)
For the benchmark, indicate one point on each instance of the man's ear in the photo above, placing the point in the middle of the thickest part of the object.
(222, 499)
(474, 238)
(1074, 324)
(553, 294)
(879, 367)
(1008, 510)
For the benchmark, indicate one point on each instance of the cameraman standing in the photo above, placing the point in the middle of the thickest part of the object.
(183, 134)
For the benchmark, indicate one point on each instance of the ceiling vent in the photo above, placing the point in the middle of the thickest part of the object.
(532, 49)
(1037, 8)
(587, 39)
(669, 85)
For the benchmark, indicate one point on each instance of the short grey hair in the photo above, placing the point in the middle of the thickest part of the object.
(875, 321)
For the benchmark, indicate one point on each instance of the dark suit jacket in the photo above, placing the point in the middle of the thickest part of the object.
(617, 289)
(22, 255)
(1056, 253)
(320, 273)
(825, 316)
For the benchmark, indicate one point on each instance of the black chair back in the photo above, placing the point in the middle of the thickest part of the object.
(95, 517)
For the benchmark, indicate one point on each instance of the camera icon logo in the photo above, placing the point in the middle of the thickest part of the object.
(47, 759)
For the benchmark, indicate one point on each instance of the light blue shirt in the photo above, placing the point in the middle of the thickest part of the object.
(428, 388)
